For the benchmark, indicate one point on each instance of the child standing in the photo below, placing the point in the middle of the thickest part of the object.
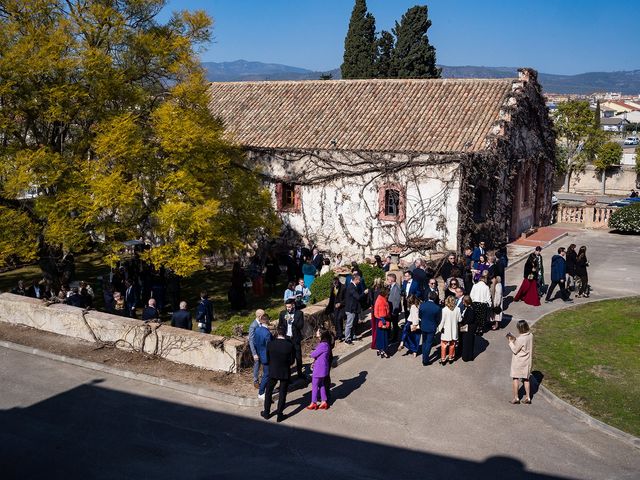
(321, 364)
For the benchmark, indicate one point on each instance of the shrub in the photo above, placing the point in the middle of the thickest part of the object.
(321, 287)
(227, 328)
(626, 219)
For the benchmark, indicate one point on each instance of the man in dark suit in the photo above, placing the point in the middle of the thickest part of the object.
(36, 290)
(75, 299)
(479, 250)
(280, 357)
(395, 304)
(130, 298)
(430, 314)
(499, 268)
(352, 306)
(292, 321)
(419, 275)
(204, 313)
(317, 259)
(433, 287)
(448, 266)
(409, 287)
(150, 312)
(182, 318)
(558, 275)
(335, 308)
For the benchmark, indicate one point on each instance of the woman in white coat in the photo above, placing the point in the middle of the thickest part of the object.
(496, 302)
(522, 349)
(451, 317)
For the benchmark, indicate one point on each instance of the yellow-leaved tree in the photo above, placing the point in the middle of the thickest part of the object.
(106, 135)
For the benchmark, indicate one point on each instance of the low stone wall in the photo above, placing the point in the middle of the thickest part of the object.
(174, 344)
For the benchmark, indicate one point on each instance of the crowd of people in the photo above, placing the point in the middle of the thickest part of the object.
(453, 302)
(568, 273)
(409, 311)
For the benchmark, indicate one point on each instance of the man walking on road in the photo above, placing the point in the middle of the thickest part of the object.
(558, 273)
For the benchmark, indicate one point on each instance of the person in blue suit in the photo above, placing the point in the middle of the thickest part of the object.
(430, 314)
(261, 338)
(409, 287)
(558, 274)
(479, 250)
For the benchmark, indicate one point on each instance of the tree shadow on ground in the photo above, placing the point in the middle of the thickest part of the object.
(99, 433)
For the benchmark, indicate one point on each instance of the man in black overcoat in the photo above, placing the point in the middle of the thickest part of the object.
(280, 356)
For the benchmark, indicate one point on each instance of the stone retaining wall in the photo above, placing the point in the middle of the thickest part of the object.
(181, 346)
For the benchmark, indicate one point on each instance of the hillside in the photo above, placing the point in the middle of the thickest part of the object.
(625, 82)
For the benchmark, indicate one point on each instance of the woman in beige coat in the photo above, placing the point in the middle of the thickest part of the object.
(522, 348)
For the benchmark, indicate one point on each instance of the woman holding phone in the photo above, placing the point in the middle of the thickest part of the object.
(522, 349)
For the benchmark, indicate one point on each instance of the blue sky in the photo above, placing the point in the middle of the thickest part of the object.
(553, 36)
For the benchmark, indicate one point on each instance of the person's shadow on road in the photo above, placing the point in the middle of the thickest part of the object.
(338, 392)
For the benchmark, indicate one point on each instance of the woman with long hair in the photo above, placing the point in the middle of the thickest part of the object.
(528, 291)
(382, 314)
(496, 302)
(449, 327)
(411, 332)
(570, 264)
(581, 272)
(450, 291)
(468, 327)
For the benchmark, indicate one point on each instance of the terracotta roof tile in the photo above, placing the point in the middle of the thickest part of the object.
(445, 115)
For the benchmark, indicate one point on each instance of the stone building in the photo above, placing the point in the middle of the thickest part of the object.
(360, 166)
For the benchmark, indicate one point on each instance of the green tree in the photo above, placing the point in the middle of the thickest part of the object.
(609, 155)
(384, 44)
(359, 44)
(326, 76)
(637, 152)
(578, 139)
(596, 116)
(103, 110)
(413, 55)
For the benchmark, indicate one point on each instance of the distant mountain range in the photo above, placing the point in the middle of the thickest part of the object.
(625, 82)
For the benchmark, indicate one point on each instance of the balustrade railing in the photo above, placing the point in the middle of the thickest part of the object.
(589, 216)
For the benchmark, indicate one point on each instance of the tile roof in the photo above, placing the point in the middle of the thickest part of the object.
(444, 115)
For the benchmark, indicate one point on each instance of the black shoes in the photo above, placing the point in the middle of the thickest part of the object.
(265, 415)
(282, 418)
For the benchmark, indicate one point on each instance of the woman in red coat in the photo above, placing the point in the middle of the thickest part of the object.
(381, 314)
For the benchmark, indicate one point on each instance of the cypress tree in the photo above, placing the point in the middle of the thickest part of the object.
(596, 119)
(360, 44)
(413, 55)
(385, 44)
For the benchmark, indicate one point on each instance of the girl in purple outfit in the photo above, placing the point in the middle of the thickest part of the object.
(321, 365)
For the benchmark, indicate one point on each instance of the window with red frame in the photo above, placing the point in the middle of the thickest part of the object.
(288, 197)
(391, 203)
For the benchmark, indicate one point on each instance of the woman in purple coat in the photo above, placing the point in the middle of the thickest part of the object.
(321, 365)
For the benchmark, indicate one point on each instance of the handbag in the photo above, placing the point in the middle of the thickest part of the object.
(382, 323)
(464, 328)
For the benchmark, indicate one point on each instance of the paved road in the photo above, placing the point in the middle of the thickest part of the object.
(391, 418)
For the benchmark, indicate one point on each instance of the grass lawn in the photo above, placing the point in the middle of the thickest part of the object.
(590, 356)
(216, 282)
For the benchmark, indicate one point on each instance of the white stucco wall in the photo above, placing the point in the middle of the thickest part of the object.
(341, 214)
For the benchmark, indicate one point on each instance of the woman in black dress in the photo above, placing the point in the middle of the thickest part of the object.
(570, 262)
(581, 272)
(468, 327)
